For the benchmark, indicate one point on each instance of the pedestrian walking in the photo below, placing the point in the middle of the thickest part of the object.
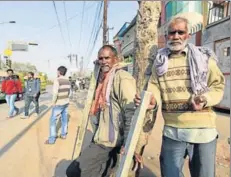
(61, 91)
(77, 83)
(11, 86)
(187, 82)
(32, 92)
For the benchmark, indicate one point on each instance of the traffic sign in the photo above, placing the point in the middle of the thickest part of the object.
(8, 52)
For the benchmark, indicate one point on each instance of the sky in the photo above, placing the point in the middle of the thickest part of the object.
(36, 22)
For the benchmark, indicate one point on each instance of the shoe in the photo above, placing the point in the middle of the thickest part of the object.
(17, 111)
(25, 117)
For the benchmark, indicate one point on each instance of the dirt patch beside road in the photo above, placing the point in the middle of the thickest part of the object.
(152, 150)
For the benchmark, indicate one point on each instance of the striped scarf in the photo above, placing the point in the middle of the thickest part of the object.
(102, 93)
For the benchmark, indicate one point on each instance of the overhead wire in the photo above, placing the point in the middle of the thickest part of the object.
(94, 33)
(63, 22)
(59, 24)
(93, 28)
(81, 27)
(68, 31)
(89, 57)
(96, 36)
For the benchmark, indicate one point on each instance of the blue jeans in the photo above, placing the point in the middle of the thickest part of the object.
(202, 158)
(10, 99)
(56, 111)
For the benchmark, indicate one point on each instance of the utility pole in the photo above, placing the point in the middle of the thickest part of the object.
(108, 39)
(105, 23)
(76, 61)
(81, 66)
(70, 58)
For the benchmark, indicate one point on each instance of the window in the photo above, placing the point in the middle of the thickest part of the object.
(218, 11)
(227, 51)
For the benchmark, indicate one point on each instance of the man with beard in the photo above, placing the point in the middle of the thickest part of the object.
(112, 111)
(186, 82)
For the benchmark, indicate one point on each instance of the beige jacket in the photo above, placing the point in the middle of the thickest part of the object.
(113, 123)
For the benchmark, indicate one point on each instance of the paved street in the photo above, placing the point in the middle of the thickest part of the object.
(22, 144)
(11, 127)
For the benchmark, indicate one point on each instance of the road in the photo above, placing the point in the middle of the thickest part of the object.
(22, 149)
(24, 154)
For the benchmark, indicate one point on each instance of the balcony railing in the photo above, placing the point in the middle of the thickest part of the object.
(219, 11)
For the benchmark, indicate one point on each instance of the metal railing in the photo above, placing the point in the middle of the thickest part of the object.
(219, 11)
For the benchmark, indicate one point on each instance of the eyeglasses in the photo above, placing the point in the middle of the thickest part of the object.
(106, 58)
(180, 32)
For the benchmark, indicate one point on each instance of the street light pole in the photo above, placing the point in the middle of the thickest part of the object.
(8, 22)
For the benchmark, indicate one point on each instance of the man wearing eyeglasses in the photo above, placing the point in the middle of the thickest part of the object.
(186, 82)
(112, 111)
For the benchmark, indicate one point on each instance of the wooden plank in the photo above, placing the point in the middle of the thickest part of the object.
(88, 103)
(133, 135)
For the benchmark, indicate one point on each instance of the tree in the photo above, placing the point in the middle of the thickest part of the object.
(23, 67)
(146, 45)
(146, 40)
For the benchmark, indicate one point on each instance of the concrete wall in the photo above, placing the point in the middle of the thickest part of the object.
(217, 37)
(216, 31)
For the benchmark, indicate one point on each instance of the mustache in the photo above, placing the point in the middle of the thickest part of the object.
(175, 41)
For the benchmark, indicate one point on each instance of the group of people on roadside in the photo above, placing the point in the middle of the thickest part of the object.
(12, 87)
(185, 82)
(78, 84)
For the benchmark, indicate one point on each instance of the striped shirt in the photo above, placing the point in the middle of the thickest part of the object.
(61, 91)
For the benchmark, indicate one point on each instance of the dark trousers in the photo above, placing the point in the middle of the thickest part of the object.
(202, 158)
(28, 100)
(94, 161)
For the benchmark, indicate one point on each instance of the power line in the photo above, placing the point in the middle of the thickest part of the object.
(89, 56)
(63, 22)
(58, 22)
(68, 32)
(81, 25)
(96, 35)
(93, 33)
(93, 27)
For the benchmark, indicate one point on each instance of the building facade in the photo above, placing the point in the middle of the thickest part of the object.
(216, 36)
(128, 41)
(117, 39)
(194, 11)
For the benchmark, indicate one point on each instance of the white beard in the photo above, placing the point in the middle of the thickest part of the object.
(105, 69)
(178, 47)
